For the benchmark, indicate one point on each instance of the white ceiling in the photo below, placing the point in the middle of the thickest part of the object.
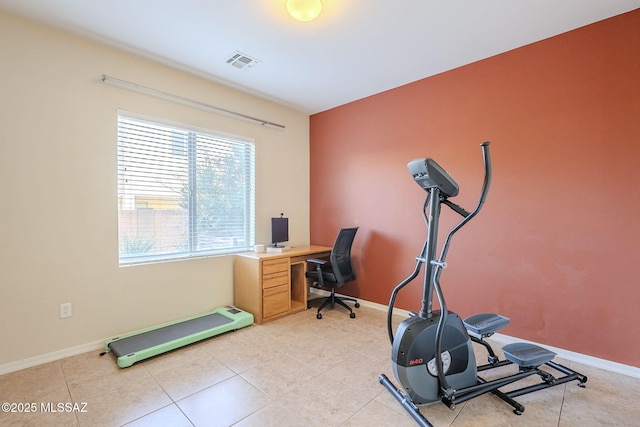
(356, 48)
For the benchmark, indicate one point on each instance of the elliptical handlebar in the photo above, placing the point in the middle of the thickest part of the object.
(435, 279)
(486, 158)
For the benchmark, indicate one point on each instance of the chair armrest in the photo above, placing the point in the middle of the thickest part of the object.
(318, 261)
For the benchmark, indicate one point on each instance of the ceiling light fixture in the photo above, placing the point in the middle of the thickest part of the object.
(304, 10)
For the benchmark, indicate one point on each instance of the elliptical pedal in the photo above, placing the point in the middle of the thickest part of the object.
(481, 326)
(526, 355)
(485, 324)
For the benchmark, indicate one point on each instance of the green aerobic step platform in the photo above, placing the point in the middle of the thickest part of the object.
(136, 346)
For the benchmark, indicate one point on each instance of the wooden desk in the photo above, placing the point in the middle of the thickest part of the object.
(271, 285)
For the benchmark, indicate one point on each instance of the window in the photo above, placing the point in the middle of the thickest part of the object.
(182, 192)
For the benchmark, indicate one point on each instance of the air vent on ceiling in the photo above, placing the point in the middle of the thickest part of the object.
(240, 60)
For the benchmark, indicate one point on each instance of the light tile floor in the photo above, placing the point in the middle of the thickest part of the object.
(295, 371)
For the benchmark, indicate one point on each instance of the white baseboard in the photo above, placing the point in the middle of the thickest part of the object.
(50, 357)
(584, 359)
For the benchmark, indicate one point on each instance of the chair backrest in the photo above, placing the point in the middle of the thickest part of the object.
(341, 255)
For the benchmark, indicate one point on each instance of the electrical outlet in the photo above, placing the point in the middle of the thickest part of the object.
(65, 310)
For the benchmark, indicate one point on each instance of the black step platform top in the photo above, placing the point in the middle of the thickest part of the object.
(527, 355)
(485, 323)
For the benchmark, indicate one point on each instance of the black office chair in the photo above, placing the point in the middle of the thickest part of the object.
(336, 271)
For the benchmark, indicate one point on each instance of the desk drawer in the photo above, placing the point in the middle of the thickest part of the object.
(275, 279)
(275, 265)
(275, 300)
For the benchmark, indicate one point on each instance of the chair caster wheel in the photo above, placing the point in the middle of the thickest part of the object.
(352, 315)
(515, 411)
(357, 305)
(318, 316)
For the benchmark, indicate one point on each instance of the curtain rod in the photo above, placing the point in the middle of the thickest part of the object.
(166, 95)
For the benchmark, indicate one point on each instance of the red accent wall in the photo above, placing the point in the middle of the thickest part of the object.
(557, 245)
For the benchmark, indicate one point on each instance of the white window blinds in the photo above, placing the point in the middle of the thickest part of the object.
(182, 193)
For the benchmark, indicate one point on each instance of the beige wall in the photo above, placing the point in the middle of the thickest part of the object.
(58, 203)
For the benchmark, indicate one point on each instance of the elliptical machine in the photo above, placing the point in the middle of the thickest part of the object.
(432, 353)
